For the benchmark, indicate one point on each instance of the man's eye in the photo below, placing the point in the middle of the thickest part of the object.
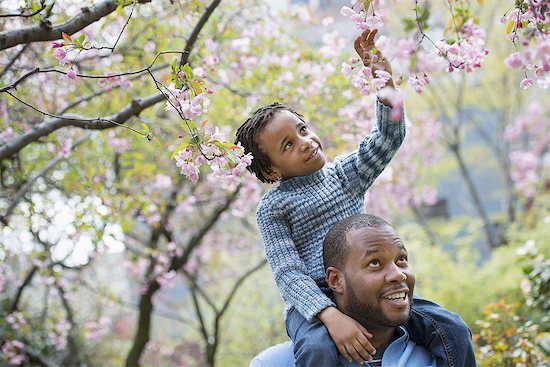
(374, 264)
(403, 259)
(303, 129)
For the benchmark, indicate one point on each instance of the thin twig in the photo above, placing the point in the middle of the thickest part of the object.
(21, 15)
(76, 118)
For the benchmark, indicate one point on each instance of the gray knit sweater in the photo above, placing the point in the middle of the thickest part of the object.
(294, 217)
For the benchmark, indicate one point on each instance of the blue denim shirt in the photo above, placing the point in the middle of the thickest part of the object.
(400, 353)
(443, 333)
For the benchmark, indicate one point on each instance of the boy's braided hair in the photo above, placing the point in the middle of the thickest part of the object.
(248, 132)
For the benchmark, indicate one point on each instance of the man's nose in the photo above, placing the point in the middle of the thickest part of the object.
(395, 274)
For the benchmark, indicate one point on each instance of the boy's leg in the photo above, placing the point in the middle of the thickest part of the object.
(443, 332)
(313, 346)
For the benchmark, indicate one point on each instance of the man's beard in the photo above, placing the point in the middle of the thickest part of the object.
(369, 314)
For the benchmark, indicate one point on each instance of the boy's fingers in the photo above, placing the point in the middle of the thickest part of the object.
(357, 45)
(355, 355)
(365, 332)
(370, 37)
(366, 345)
(360, 354)
(344, 353)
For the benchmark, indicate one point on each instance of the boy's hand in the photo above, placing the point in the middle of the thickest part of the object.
(350, 337)
(364, 44)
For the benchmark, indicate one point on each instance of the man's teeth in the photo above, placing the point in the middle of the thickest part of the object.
(396, 295)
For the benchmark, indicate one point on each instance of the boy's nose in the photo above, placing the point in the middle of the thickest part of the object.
(307, 145)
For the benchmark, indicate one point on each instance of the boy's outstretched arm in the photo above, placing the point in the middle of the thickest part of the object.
(350, 337)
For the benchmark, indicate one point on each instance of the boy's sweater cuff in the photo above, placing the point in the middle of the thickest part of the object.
(385, 123)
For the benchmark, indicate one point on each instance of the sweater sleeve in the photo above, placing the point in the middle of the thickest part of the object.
(359, 169)
(296, 287)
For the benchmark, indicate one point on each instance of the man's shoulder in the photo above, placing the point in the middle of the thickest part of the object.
(279, 355)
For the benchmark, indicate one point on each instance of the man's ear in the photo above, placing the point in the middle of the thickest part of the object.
(335, 279)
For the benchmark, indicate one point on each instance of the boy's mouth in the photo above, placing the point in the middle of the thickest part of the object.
(313, 153)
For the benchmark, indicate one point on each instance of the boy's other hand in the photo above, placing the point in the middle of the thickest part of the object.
(350, 337)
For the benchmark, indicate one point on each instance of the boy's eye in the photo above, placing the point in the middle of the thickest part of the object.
(288, 145)
(374, 264)
(303, 129)
(403, 259)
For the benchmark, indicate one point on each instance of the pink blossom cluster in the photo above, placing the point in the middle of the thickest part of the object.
(136, 268)
(112, 81)
(187, 204)
(120, 145)
(467, 52)
(529, 139)
(528, 31)
(58, 335)
(210, 61)
(95, 330)
(187, 105)
(12, 352)
(226, 160)
(65, 151)
(15, 320)
(61, 52)
(364, 80)
(362, 19)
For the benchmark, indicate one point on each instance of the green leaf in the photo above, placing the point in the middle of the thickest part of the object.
(188, 71)
(119, 10)
(174, 66)
(510, 26)
(197, 87)
(409, 24)
(145, 127)
(179, 148)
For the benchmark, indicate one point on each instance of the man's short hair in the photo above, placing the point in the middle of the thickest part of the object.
(335, 245)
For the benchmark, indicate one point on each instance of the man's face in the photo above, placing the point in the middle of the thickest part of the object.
(379, 283)
(292, 148)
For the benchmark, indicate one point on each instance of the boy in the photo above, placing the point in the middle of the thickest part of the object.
(313, 195)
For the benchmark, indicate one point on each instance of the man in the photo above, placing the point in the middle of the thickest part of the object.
(367, 268)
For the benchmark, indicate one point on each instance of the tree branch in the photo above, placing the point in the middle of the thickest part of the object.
(197, 30)
(43, 32)
(134, 108)
(26, 282)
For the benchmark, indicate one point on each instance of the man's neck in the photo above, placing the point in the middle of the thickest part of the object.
(381, 336)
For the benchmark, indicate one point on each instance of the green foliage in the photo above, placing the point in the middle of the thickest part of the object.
(537, 272)
(451, 274)
(506, 339)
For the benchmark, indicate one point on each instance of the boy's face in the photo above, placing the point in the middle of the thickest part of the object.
(293, 149)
